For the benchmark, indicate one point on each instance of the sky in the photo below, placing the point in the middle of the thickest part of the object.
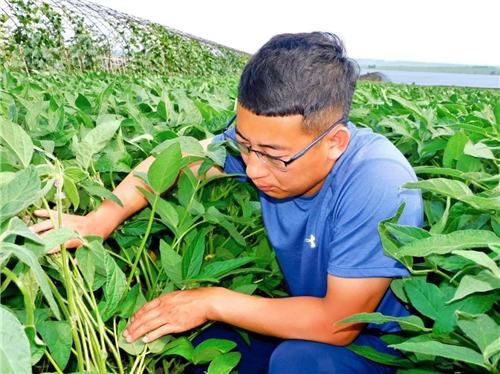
(442, 31)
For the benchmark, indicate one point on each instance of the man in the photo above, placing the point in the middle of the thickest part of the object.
(324, 187)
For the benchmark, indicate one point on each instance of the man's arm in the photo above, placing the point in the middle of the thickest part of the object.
(307, 318)
(110, 215)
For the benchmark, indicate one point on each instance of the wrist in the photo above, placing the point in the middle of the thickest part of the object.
(99, 224)
(213, 302)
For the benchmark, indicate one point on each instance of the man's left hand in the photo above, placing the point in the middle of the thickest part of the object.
(170, 313)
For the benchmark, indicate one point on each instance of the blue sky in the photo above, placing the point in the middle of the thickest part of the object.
(443, 31)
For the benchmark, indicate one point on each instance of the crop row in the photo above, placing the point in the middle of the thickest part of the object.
(68, 140)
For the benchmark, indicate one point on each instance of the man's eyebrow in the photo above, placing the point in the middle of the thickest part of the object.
(276, 147)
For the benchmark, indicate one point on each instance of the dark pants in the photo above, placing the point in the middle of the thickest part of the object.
(276, 356)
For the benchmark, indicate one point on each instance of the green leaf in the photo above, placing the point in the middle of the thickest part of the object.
(75, 174)
(205, 355)
(449, 351)
(86, 263)
(37, 346)
(82, 102)
(181, 347)
(20, 192)
(484, 281)
(15, 355)
(171, 262)
(19, 228)
(158, 345)
(382, 358)
(439, 226)
(454, 149)
(165, 168)
(188, 145)
(234, 233)
(496, 111)
(193, 257)
(130, 303)
(135, 348)
(446, 321)
(410, 323)
(438, 171)
(211, 348)
(56, 237)
(114, 288)
(492, 349)
(33, 114)
(17, 141)
(223, 364)
(406, 234)
(219, 269)
(221, 345)
(442, 186)
(71, 192)
(482, 203)
(482, 329)
(217, 153)
(480, 150)
(441, 244)
(27, 257)
(58, 337)
(418, 371)
(97, 190)
(427, 298)
(101, 100)
(165, 209)
(165, 107)
(94, 142)
(481, 259)
(397, 286)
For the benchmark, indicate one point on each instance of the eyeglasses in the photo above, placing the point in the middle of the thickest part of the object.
(273, 161)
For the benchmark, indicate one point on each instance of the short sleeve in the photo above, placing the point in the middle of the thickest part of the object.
(367, 197)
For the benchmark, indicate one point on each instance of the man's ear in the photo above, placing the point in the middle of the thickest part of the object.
(339, 139)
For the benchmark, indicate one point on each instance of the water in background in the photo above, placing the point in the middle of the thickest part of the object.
(439, 79)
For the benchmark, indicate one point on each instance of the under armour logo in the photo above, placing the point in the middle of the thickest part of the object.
(311, 240)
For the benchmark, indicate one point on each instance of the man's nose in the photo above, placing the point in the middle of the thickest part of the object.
(255, 167)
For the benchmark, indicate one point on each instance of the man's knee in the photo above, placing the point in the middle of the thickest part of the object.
(300, 356)
(307, 357)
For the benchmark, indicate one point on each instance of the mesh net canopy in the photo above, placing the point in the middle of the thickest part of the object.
(81, 35)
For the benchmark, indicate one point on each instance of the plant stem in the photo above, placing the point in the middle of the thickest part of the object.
(446, 276)
(47, 208)
(67, 277)
(143, 244)
(127, 261)
(59, 298)
(179, 239)
(117, 351)
(89, 327)
(30, 312)
(255, 232)
(54, 364)
(146, 273)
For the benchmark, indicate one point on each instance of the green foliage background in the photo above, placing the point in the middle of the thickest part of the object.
(37, 35)
(68, 138)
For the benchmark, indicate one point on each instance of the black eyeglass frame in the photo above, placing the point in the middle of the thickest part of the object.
(293, 158)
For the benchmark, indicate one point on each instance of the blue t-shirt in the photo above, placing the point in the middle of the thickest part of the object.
(335, 231)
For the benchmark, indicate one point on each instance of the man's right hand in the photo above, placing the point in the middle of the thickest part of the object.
(84, 225)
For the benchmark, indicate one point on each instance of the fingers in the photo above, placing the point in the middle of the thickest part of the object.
(42, 226)
(158, 333)
(45, 213)
(141, 326)
(145, 308)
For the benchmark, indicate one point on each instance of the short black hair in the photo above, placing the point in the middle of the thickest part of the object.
(305, 73)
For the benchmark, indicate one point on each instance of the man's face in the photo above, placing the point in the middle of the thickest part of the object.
(283, 137)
